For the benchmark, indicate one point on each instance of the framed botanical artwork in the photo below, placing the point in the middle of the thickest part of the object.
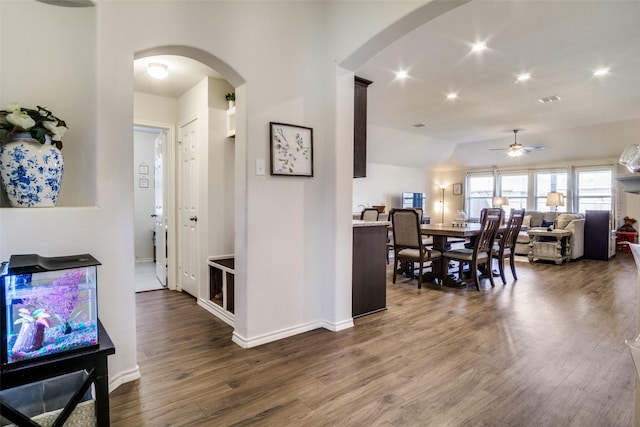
(457, 189)
(291, 150)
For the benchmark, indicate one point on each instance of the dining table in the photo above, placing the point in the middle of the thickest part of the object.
(441, 233)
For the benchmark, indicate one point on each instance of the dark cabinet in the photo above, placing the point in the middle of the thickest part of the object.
(360, 127)
(597, 234)
(369, 274)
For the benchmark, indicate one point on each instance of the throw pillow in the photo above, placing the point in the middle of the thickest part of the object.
(526, 221)
(546, 223)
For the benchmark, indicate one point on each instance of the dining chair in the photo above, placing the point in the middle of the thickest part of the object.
(407, 242)
(369, 214)
(507, 244)
(480, 254)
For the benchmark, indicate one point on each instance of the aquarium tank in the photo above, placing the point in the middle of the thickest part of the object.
(50, 306)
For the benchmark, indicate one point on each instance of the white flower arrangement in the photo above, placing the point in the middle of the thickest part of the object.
(40, 123)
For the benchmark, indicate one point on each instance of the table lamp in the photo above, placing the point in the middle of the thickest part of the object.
(499, 202)
(555, 199)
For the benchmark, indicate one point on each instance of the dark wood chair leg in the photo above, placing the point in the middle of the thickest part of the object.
(501, 268)
(489, 272)
(512, 262)
(395, 267)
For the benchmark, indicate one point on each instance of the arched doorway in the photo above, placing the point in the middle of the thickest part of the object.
(200, 165)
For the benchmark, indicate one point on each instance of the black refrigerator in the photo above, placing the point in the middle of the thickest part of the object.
(597, 234)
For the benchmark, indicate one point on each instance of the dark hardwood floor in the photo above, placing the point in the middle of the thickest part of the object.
(546, 350)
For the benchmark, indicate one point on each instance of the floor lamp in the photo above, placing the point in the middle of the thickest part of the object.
(555, 199)
(442, 187)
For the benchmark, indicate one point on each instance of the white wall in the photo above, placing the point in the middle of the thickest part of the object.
(294, 236)
(144, 198)
(384, 184)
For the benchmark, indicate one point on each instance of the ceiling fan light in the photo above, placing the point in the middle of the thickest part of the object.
(157, 70)
(515, 152)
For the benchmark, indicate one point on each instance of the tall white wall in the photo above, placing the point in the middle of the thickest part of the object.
(221, 171)
(384, 184)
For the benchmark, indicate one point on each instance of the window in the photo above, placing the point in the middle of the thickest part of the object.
(594, 189)
(547, 182)
(515, 188)
(479, 193)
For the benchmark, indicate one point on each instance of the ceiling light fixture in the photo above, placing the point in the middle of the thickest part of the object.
(452, 95)
(601, 72)
(478, 47)
(401, 75)
(157, 70)
(524, 77)
(515, 149)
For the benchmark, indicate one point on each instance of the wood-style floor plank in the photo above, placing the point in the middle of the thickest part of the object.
(547, 350)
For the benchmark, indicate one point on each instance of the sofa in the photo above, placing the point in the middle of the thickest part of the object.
(567, 221)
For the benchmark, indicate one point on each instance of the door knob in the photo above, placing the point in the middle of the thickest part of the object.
(193, 218)
(153, 215)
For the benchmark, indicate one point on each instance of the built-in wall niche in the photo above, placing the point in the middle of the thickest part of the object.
(68, 91)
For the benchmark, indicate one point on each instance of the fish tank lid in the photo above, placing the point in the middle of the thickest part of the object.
(33, 263)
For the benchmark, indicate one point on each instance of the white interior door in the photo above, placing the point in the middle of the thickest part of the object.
(188, 208)
(160, 150)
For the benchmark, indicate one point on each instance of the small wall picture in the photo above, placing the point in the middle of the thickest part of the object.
(143, 183)
(457, 189)
(143, 169)
(291, 150)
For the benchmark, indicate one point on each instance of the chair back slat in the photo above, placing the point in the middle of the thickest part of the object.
(492, 218)
(406, 228)
(513, 228)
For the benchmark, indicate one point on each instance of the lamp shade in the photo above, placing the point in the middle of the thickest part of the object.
(500, 201)
(555, 199)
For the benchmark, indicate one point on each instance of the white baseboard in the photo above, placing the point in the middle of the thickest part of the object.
(143, 260)
(124, 377)
(289, 332)
(217, 311)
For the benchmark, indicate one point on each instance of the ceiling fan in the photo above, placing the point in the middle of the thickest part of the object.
(516, 149)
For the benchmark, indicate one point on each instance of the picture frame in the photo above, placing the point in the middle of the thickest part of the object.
(457, 189)
(143, 169)
(143, 183)
(291, 149)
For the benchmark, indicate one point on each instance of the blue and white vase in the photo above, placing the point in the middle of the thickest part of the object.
(31, 172)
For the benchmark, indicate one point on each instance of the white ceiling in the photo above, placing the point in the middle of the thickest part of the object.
(560, 42)
(184, 73)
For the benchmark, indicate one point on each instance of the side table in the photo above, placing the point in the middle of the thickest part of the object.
(92, 360)
(552, 248)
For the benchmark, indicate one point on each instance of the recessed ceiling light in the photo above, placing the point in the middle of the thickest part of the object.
(524, 77)
(157, 70)
(402, 75)
(601, 72)
(452, 95)
(552, 98)
(478, 47)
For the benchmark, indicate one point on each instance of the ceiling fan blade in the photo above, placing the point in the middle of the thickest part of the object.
(534, 148)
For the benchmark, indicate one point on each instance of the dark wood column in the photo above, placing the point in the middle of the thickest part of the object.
(360, 127)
